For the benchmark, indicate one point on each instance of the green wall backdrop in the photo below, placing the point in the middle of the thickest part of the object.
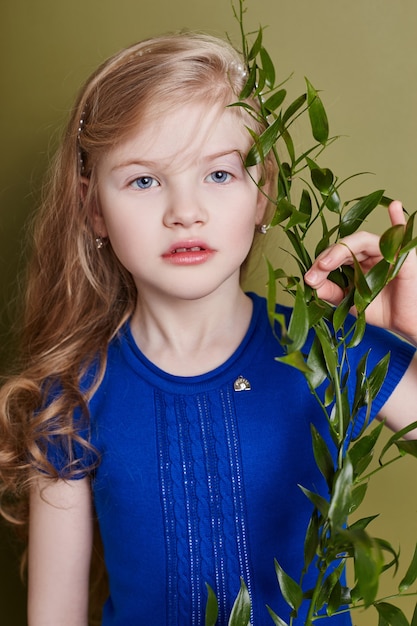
(362, 54)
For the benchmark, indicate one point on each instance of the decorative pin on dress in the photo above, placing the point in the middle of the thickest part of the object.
(241, 384)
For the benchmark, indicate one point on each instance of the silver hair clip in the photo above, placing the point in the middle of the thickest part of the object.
(81, 124)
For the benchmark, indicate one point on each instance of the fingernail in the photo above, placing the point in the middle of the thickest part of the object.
(325, 260)
(311, 275)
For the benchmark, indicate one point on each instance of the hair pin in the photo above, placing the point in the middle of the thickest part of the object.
(81, 124)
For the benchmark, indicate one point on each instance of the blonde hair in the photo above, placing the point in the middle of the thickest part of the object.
(78, 297)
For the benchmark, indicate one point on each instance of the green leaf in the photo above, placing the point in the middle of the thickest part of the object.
(329, 394)
(362, 450)
(305, 203)
(391, 614)
(331, 590)
(295, 359)
(317, 114)
(358, 494)
(284, 180)
(240, 615)
(409, 227)
(268, 67)
(322, 456)
(263, 144)
(393, 440)
(254, 51)
(368, 565)
(378, 375)
(283, 211)
(354, 218)
(361, 285)
(319, 309)
(289, 144)
(342, 311)
(387, 547)
(410, 246)
(341, 498)
(293, 108)
(329, 353)
(362, 523)
(299, 248)
(299, 322)
(296, 218)
(322, 179)
(277, 620)
(315, 361)
(250, 84)
(359, 331)
(361, 388)
(335, 599)
(275, 101)
(391, 241)
(311, 541)
(212, 607)
(319, 502)
(333, 201)
(292, 592)
(407, 447)
(377, 277)
(260, 83)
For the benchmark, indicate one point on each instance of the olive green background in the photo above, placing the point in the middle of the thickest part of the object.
(362, 54)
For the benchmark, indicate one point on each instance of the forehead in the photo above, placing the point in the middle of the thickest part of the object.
(186, 133)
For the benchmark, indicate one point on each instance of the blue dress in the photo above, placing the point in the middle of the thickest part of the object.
(198, 477)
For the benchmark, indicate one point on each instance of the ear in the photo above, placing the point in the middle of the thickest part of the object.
(93, 206)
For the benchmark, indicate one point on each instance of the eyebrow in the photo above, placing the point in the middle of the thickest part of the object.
(152, 164)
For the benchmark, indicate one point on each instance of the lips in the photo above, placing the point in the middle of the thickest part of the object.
(188, 253)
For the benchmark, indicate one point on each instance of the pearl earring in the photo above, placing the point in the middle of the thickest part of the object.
(100, 242)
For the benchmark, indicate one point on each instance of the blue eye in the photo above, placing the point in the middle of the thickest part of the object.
(144, 182)
(220, 176)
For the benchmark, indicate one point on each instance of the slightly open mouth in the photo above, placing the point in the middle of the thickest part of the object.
(193, 249)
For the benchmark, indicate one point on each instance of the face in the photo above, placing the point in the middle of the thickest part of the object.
(177, 204)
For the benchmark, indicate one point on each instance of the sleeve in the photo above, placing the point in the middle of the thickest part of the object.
(72, 456)
(65, 444)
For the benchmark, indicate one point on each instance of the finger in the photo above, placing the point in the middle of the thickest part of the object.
(396, 213)
(364, 246)
(330, 292)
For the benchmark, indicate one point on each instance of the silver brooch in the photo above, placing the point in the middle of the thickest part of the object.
(241, 384)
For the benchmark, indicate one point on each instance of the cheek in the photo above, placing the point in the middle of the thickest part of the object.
(129, 240)
(242, 233)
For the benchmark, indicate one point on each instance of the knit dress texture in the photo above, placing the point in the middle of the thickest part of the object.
(198, 480)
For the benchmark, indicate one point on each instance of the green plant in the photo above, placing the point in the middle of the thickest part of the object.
(309, 194)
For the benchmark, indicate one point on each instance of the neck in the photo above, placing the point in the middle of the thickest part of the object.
(191, 337)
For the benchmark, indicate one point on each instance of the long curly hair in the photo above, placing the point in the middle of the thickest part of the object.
(78, 297)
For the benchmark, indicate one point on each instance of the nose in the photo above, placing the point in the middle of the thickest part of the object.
(184, 208)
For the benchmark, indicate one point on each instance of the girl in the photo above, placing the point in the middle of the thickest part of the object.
(149, 395)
